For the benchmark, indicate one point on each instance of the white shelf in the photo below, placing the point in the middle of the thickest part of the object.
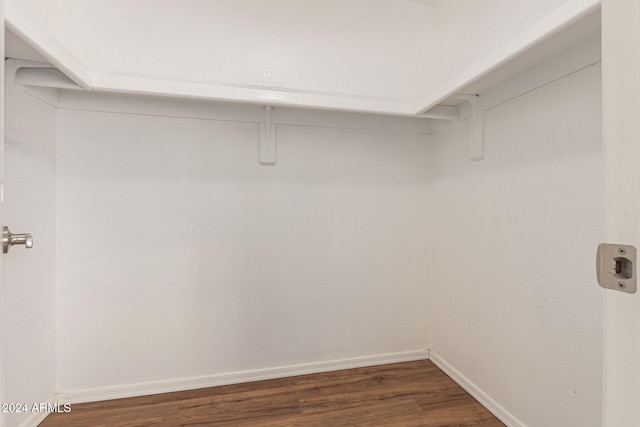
(567, 25)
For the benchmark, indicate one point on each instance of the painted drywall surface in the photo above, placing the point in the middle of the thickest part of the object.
(515, 306)
(180, 256)
(349, 47)
(29, 275)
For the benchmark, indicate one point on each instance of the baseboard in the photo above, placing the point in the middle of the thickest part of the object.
(35, 418)
(496, 409)
(181, 384)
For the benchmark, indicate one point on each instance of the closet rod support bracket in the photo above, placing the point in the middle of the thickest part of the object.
(267, 139)
(476, 127)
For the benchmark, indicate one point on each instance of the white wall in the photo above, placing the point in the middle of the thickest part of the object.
(175, 243)
(29, 275)
(515, 308)
(179, 256)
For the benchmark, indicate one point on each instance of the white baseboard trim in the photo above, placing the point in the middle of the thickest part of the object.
(36, 417)
(181, 384)
(495, 408)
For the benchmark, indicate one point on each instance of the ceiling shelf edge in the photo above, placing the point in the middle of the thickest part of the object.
(517, 46)
(101, 81)
(35, 74)
(127, 84)
(48, 47)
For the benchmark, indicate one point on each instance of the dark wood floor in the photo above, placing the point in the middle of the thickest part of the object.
(402, 394)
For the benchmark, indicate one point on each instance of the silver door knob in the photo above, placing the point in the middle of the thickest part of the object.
(9, 239)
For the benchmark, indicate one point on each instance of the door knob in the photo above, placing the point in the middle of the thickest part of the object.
(9, 239)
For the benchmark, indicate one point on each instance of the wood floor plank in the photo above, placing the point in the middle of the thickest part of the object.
(373, 414)
(401, 394)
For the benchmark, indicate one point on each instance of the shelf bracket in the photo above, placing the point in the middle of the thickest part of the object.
(441, 112)
(476, 127)
(267, 139)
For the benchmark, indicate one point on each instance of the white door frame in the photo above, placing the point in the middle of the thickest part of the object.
(2, 310)
(621, 152)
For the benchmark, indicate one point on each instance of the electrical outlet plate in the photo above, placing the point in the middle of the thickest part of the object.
(616, 267)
